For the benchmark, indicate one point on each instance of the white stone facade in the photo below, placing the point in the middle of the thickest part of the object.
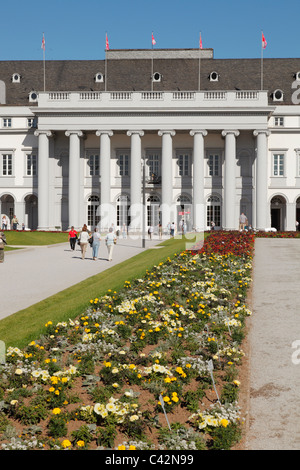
(77, 157)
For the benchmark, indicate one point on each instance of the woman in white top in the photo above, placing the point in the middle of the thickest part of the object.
(84, 239)
(110, 240)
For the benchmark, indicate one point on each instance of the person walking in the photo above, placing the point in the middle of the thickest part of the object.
(150, 232)
(15, 222)
(96, 243)
(243, 221)
(83, 240)
(110, 241)
(72, 237)
(160, 231)
(172, 229)
(2, 244)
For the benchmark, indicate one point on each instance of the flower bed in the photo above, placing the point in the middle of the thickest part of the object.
(153, 366)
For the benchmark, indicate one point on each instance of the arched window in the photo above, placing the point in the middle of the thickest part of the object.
(123, 216)
(213, 211)
(93, 217)
(153, 215)
(184, 211)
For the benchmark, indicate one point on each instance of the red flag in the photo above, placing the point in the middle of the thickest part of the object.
(106, 43)
(264, 42)
(43, 42)
(200, 42)
(153, 40)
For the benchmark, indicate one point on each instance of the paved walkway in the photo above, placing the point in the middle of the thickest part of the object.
(30, 275)
(274, 409)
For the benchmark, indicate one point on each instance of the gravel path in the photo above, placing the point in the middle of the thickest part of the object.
(30, 275)
(274, 372)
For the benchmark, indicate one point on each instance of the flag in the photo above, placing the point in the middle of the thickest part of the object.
(153, 40)
(43, 42)
(200, 42)
(264, 42)
(106, 43)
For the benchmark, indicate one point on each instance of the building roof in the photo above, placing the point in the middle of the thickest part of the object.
(134, 74)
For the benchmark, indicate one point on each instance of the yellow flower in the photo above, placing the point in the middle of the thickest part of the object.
(224, 422)
(121, 447)
(66, 443)
(80, 443)
(56, 411)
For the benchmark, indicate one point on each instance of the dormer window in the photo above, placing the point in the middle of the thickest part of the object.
(156, 77)
(277, 95)
(33, 97)
(16, 78)
(214, 77)
(99, 77)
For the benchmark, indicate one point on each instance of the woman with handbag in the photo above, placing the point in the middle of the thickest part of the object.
(110, 241)
(83, 240)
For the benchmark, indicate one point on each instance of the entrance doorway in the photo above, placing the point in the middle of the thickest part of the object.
(278, 213)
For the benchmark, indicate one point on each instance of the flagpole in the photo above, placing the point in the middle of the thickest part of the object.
(152, 62)
(261, 64)
(43, 47)
(199, 62)
(105, 78)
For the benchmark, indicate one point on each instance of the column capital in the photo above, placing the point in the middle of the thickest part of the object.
(139, 132)
(235, 132)
(41, 132)
(198, 131)
(256, 132)
(78, 133)
(100, 132)
(167, 131)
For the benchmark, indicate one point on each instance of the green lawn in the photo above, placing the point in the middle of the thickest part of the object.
(34, 238)
(28, 324)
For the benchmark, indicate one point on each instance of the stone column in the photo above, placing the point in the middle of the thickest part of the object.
(166, 178)
(136, 206)
(74, 178)
(262, 212)
(230, 216)
(198, 180)
(106, 210)
(43, 179)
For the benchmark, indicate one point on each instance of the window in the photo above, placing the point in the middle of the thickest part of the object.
(123, 164)
(31, 122)
(213, 211)
(92, 211)
(298, 161)
(278, 121)
(153, 162)
(123, 217)
(7, 164)
(213, 164)
(94, 165)
(184, 164)
(31, 165)
(6, 122)
(278, 164)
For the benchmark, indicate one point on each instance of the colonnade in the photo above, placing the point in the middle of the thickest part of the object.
(230, 136)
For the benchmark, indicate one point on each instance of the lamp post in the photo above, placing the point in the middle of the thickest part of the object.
(144, 205)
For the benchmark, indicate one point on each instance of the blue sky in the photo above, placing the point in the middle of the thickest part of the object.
(75, 29)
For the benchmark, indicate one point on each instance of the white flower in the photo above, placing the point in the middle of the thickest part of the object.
(133, 418)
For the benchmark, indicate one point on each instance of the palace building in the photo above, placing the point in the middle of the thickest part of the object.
(150, 136)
